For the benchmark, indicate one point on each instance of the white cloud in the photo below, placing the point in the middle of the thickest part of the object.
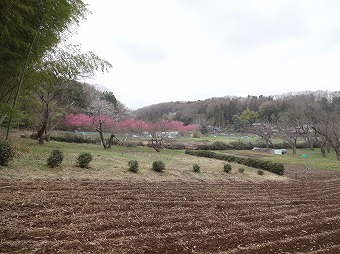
(174, 50)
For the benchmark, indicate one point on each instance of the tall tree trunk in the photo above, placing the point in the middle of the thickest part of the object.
(323, 151)
(310, 142)
(21, 80)
(267, 143)
(294, 150)
(110, 143)
(47, 135)
(157, 144)
(337, 152)
(100, 131)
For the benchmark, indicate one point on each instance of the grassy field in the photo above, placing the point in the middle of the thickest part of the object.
(30, 162)
(314, 159)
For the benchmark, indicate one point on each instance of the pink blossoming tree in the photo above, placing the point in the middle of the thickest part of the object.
(155, 133)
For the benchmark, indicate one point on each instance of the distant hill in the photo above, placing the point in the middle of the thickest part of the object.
(188, 111)
(217, 111)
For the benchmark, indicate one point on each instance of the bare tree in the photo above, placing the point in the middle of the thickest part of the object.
(325, 120)
(265, 131)
(104, 112)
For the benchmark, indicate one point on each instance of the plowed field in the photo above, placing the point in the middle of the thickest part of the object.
(94, 216)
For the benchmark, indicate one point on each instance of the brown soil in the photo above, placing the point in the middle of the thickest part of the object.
(106, 216)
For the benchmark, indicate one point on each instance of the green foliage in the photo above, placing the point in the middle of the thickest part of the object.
(227, 167)
(55, 159)
(33, 27)
(29, 29)
(158, 166)
(133, 166)
(196, 168)
(247, 117)
(175, 145)
(218, 145)
(84, 159)
(238, 145)
(276, 168)
(6, 152)
(109, 97)
(72, 138)
(30, 34)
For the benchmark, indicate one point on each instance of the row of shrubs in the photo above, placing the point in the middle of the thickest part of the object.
(277, 168)
(159, 166)
(226, 168)
(71, 138)
(56, 158)
(81, 139)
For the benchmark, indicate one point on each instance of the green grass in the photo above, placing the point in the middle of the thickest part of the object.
(30, 162)
(314, 160)
(220, 138)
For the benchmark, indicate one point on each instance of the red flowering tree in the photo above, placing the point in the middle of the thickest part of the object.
(156, 133)
(85, 122)
(77, 121)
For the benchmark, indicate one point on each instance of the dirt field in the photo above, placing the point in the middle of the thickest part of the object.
(93, 216)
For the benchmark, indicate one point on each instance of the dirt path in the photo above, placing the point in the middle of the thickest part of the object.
(93, 216)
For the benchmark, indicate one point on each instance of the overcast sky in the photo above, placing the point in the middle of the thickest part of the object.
(180, 50)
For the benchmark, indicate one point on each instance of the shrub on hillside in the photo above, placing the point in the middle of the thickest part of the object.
(6, 152)
(72, 138)
(177, 146)
(196, 168)
(218, 145)
(133, 166)
(84, 159)
(55, 159)
(158, 166)
(241, 170)
(196, 134)
(260, 172)
(277, 168)
(227, 167)
(238, 145)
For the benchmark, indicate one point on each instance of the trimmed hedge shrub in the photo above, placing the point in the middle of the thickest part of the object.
(55, 159)
(196, 168)
(227, 167)
(6, 152)
(158, 166)
(84, 159)
(260, 172)
(133, 166)
(177, 146)
(276, 168)
(71, 138)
